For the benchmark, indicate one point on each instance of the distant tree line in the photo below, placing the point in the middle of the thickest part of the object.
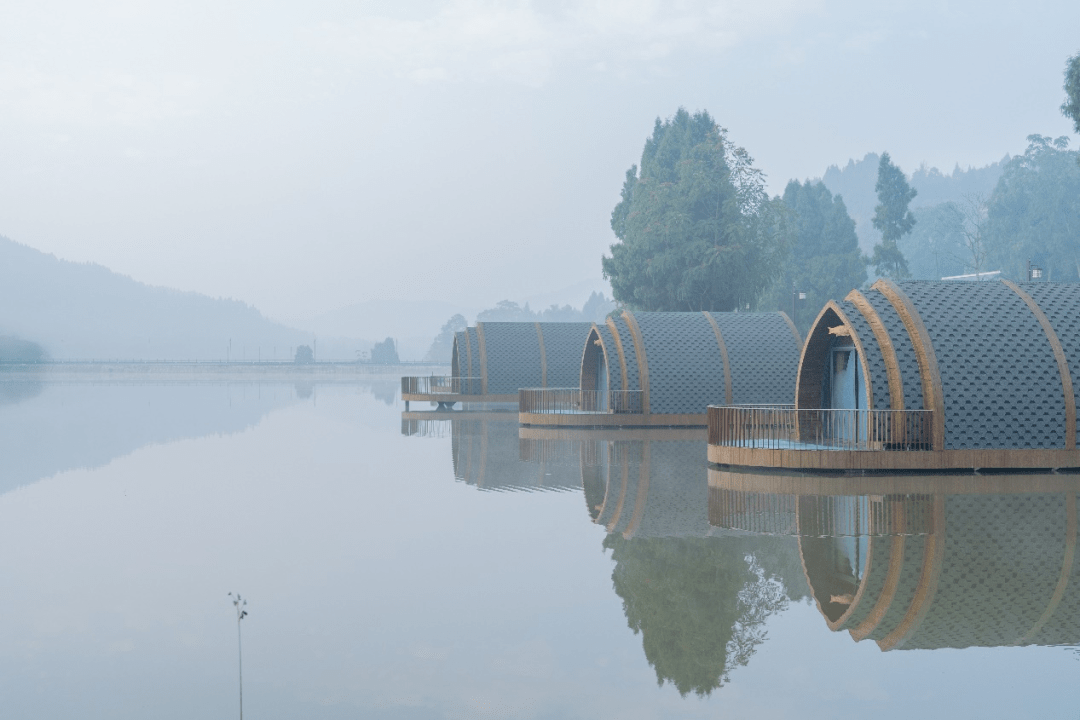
(17, 350)
(595, 309)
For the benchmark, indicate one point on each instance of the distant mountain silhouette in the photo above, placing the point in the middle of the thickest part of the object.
(86, 311)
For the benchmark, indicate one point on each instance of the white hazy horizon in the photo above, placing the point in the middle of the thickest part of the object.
(310, 157)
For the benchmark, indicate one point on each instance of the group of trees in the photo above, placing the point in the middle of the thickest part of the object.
(696, 229)
(595, 309)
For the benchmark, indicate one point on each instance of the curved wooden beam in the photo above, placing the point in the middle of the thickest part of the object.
(728, 393)
(868, 388)
(468, 352)
(613, 523)
(543, 356)
(933, 559)
(888, 350)
(642, 359)
(483, 358)
(641, 499)
(791, 326)
(933, 395)
(888, 592)
(1066, 571)
(622, 355)
(1062, 362)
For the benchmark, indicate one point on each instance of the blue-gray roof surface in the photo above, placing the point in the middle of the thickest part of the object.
(910, 377)
(1060, 302)
(564, 344)
(613, 369)
(764, 357)
(686, 373)
(1000, 381)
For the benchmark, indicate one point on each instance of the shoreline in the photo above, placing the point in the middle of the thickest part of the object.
(97, 371)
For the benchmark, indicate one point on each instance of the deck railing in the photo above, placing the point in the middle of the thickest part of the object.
(440, 385)
(784, 427)
(572, 401)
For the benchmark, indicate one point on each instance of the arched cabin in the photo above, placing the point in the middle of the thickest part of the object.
(925, 376)
(665, 368)
(493, 360)
(905, 561)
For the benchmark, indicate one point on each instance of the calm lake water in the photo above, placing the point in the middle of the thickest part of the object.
(450, 569)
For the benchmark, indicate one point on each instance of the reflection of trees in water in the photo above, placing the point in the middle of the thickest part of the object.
(304, 389)
(701, 603)
(15, 391)
(385, 390)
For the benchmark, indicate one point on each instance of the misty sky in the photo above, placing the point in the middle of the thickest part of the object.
(305, 156)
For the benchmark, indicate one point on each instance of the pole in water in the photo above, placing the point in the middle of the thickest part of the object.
(239, 603)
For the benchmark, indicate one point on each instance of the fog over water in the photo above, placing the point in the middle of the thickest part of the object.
(227, 231)
(310, 156)
(406, 576)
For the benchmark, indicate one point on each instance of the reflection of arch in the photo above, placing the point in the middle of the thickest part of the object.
(488, 454)
(644, 486)
(926, 575)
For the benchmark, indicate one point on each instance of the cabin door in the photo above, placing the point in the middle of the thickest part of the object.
(844, 394)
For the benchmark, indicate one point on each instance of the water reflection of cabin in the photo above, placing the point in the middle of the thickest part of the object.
(664, 369)
(924, 375)
(492, 361)
(487, 454)
(918, 562)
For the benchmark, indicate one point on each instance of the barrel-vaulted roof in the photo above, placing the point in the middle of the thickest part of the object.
(684, 361)
(997, 361)
(508, 356)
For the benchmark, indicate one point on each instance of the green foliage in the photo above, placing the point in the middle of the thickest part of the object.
(1071, 107)
(442, 347)
(699, 603)
(892, 219)
(696, 228)
(824, 261)
(304, 356)
(935, 247)
(385, 353)
(16, 350)
(1034, 212)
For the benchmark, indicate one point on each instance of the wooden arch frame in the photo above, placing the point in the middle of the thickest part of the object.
(812, 361)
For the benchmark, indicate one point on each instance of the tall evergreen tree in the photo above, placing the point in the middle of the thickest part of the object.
(696, 228)
(892, 218)
(825, 261)
(1071, 106)
(1034, 212)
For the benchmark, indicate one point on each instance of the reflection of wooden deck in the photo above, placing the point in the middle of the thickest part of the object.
(611, 433)
(613, 420)
(793, 483)
(489, 415)
(450, 398)
(879, 460)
